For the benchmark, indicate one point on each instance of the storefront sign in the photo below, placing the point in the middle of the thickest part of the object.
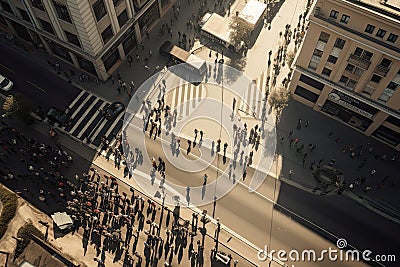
(349, 103)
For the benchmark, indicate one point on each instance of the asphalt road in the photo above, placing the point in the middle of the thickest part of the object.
(39, 85)
(326, 218)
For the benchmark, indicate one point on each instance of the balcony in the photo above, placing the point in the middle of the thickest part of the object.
(381, 70)
(360, 62)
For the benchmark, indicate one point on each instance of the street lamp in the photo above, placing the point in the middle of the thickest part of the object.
(217, 236)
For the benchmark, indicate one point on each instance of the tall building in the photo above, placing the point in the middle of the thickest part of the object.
(348, 66)
(93, 35)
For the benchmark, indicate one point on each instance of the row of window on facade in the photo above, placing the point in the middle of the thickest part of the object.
(360, 55)
(368, 29)
(62, 13)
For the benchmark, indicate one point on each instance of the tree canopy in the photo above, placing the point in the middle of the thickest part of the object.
(240, 31)
(279, 99)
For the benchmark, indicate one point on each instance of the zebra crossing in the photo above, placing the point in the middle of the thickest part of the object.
(87, 122)
(185, 98)
(252, 102)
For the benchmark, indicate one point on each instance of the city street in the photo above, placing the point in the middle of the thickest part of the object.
(288, 211)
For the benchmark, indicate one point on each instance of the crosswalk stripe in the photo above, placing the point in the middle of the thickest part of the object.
(91, 119)
(195, 96)
(182, 97)
(173, 101)
(82, 105)
(190, 97)
(76, 99)
(84, 115)
(103, 123)
(114, 124)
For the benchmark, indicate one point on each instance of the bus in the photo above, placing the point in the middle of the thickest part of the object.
(178, 55)
(216, 28)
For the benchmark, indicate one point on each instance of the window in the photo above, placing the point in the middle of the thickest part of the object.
(393, 120)
(24, 15)
(363, 54)
(326, 72)
(370, 28)
(385, 63)
(367, 55)
(317, 53)
(351, 84)
(324, 37)
(46, 26)
(358, 52)
(38, 4)
(122, 18)
(339, 43)
(306, 94)
(388, 92)
(368, 90)
(107, 34)
(334, 14)
(332, 59)
(375, 78)
(392, 38)
(380, 33)
(99, 9)
(350, 67)
(310, 81)
(345, 19)
(62, 11)
(358, 71)
(72, 38)
(343, 80)
(315, 58)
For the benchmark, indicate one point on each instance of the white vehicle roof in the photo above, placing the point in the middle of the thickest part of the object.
(252, 11)
(62, 220)
(217, 26)
(195, 61)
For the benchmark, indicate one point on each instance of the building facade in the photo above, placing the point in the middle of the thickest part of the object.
(348, 66)
(93, 35)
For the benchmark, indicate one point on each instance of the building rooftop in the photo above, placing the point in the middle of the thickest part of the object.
(218, 26)
(388, 8)
(252, 11)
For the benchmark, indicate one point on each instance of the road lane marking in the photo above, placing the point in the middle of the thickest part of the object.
(7, 68)
(34, 85)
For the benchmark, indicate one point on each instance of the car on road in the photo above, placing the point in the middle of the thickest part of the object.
(5, 84)
(113, 110)
(56, 115)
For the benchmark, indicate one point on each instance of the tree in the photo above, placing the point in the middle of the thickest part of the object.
(290, 57)
(279, 99)
(240, 31)
(17, 106)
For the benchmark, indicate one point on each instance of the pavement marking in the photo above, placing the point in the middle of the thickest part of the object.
(7, 68)
(76, 99)
(114, 124)
(83, 104)
(34, 85)
(83, 116)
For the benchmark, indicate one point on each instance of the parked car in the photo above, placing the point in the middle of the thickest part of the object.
(114, 110)
(5, 84)
(56, 115)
